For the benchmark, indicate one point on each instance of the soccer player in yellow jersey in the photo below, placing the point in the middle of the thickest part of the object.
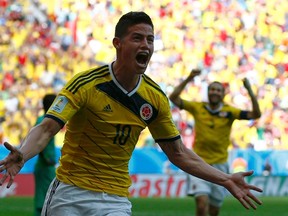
(105, 109)
(213, 122)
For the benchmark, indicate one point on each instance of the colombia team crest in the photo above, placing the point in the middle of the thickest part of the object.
(146, 111)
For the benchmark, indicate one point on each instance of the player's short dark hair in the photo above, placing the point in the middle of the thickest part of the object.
(47, 101)
(130, 19)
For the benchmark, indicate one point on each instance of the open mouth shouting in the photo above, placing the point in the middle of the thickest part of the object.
(142, 59)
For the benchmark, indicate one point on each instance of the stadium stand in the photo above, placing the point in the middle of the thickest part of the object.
(43, 43)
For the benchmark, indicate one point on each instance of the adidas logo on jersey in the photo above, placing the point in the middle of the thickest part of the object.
(107, 108)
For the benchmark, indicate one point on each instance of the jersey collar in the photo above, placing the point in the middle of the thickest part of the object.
(119, 85)
(213, 111)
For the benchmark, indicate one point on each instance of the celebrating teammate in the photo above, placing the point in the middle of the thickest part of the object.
(105, 109)
(213, 122)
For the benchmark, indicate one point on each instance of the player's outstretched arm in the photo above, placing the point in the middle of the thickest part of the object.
(191, 163)
(175, 95)
(36, 140)
(255, 113)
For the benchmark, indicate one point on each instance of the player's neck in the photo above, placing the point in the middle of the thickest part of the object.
(125, 78)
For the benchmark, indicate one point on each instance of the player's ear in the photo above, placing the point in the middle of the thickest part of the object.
(116, 42)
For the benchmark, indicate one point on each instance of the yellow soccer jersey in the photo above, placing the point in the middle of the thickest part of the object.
(212, 130)
(103, 125)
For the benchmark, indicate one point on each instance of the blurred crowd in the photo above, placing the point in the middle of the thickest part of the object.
(44, 43)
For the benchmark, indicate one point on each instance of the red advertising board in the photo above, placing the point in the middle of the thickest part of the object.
(153, 185)
(23, 186)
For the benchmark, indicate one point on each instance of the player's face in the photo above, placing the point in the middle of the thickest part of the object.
(215, 93)
(137, 47)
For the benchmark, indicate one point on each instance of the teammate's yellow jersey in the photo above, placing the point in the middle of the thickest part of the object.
(212, 130)
(104, 122)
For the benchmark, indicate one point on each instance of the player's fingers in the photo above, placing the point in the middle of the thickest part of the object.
(8, 146)
(253, 187)
(11, 180)
(244, 203)
(254, 198)
(250, 202)
(3, 179)
(3, 167)
(248, 173)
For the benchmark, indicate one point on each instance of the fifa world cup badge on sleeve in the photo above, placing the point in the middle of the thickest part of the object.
(60, 104)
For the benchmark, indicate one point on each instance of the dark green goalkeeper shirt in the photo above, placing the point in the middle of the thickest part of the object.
(44, 172)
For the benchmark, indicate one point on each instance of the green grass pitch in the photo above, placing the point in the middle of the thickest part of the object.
(272, 206)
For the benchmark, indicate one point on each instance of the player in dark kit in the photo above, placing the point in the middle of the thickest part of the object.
(44, 171)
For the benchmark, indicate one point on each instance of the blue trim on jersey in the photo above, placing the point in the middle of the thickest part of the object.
(153, 84)
(87, 77)
(133, 103)
(244, 115)
(56, 119)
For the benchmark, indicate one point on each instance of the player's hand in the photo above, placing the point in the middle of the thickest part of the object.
(242, 191)
(246, 83)
(194, 73)
(12, 164)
